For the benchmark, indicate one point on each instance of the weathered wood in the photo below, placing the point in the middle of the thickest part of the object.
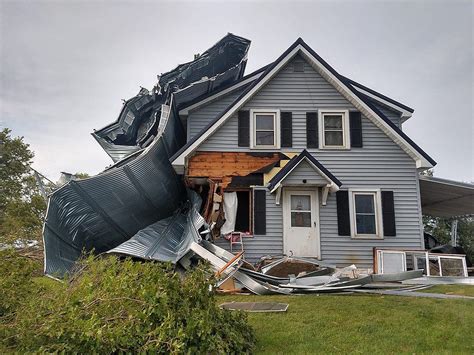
(223, 166)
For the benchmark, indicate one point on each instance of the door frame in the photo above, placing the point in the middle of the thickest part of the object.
(314, 209)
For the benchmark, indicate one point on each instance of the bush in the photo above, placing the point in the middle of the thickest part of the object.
(16, 281)
(126, 306)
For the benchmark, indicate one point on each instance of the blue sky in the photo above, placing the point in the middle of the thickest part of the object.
(65, 66)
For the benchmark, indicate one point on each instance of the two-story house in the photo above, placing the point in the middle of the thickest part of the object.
(318, 163)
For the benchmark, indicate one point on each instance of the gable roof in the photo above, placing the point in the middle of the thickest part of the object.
(275, 182)
(423, 160)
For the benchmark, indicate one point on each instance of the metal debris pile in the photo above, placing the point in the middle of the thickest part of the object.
(286, 275)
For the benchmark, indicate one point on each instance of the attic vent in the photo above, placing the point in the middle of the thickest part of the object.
(298, 67)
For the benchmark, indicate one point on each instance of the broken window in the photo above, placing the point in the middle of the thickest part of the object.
(242, 219)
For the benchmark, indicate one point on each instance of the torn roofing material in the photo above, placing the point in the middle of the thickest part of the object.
(168, 239)
(102, 212)
(136, 127)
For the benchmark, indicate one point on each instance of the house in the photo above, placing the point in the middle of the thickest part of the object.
(318, 163)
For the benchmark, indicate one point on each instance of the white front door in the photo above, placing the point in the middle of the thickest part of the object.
(300, 221)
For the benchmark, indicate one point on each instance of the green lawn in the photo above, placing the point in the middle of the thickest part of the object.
(362, 324)
(462, 290)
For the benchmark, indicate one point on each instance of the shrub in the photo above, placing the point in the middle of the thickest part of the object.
(127, 306)
(16, 280)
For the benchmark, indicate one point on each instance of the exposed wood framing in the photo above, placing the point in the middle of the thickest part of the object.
(222, 166)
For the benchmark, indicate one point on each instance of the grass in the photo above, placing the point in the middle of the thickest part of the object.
(462, 290)
(362, 324)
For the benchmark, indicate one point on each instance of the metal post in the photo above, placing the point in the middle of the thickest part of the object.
(454, 233)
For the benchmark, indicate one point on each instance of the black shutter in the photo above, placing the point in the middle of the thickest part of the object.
(312, 139)
(343, 219)
(388, 213)
(259, 212)
(286, 129)
(355, 123)
(244, 128)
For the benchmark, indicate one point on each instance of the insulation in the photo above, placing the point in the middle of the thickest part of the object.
(230, 212)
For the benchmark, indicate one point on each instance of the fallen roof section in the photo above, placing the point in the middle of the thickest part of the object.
(446, 198)
(102, 212)
(137, 125)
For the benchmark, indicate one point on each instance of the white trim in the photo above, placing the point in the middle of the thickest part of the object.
(378, 213)
(276, 128)
(421, 162)
(346, 137)
(185, 111)
(332, 186)
(403, 113)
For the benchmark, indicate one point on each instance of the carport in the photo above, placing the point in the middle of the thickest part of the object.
(448, 199)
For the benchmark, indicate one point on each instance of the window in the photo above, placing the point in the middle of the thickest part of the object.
(365, 214)
(242, 219)
(334, 129)
(265, 129)
(300, 210)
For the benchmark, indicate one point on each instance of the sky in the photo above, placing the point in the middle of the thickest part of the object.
(66, 66)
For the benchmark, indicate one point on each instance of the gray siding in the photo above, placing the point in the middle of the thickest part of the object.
(379, 164)
(200, 117)
(391, 114)
(304, 171)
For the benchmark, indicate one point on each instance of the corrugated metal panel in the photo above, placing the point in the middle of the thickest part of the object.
(103, 211)
(168, 239)
(379, 164)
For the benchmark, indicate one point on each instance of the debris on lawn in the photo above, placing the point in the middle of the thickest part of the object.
(255, 307)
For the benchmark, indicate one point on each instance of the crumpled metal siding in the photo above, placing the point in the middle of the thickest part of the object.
(101, 212)
(168, 239)
(219, 66)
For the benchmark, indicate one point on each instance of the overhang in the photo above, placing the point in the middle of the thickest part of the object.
(319, 169)
(446, 198)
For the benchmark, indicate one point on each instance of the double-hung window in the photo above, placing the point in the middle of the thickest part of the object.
(265, 129)
(365, 209)
(334, 131)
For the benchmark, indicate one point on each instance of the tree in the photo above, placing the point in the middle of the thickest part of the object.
(440, 228)
(22, 208)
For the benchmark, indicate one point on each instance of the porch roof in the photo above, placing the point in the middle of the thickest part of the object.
(294, 162)
(446, 198)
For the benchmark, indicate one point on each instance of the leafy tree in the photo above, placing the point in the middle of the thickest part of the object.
(440, 228)
(22, 207)
(124, 306)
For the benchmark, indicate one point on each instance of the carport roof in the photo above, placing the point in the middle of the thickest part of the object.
(446, 198)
